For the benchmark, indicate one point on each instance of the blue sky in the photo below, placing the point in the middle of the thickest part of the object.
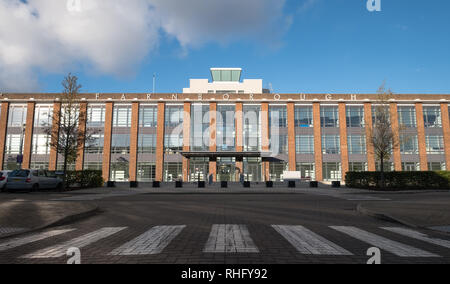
(315, 46)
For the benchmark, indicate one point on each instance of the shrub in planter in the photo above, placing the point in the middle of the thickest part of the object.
(133, 184)
(201, 184)
(84, 179)
(313, 184)
(269, 183)
(291, 184)
(178, 184)
(156, 184)
(336, 184)
(223, 184)
(246, 184)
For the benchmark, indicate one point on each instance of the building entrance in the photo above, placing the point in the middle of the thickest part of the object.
(226, 169)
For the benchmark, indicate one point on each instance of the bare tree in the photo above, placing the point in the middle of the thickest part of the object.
(67, 140)
(382, 137)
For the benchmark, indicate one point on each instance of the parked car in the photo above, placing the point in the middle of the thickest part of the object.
(3, 179)
(32, 180)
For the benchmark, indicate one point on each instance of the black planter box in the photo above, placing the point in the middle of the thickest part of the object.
(223, 184)
(313, 184)
(133, 184)
(291, 184)
(246, 184)
(178, 184)
(201, 184)
(336, 184)
(269, 183)
(156, 184)
(111, 184)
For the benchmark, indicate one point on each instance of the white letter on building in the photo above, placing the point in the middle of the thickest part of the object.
(374, 5)
(251, 97)
(175, 97)
(354, 98)
(97, 96)
(303, 97)
(149, 96)
(328, 97)
(200, 97)
(123, 97)
(277, 97)
(226, 97)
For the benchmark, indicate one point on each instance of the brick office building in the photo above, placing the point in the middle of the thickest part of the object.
(164, 137)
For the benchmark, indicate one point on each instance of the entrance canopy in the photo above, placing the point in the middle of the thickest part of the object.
(214, 155)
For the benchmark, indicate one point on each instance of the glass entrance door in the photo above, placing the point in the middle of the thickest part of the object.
(226, 169)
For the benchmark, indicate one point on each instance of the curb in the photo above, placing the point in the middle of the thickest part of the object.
(63, 221)
(383, 216)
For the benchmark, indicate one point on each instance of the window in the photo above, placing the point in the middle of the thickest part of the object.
(146, 171)
(436, 166)
(332, 171)
(276, 170)
(226, 135)
(331, 144)
(122, 116)
(95, 145)
(93, 166)
(388, 166)
(17, 115)
(41, 144)
(329, 116)
(434, 144)
(148, 116)
(307, 170)
(304, 144)
(252, 128)
(147, 144)
(410, 167)
(432, 116)
(279, 144)
(200, 127)
(355, 116)
(356, 144)
(380, 113)
(43, 116)
(173, 143)
(120, 170)
(357, 166)
(95, 116)
(120, 144)
(174, 116)
(13, 144)
(409, 144)
(407, 116)
(277, 116)
(173, 171)
(303, 116)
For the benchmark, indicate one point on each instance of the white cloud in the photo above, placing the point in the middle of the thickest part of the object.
(112, 36)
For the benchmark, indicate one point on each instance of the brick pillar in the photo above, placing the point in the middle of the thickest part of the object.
(343, 137)
(28, 136)
(317, 141)
(160, 142)
(3, 128)
(134, 141)
(213, 138)
(369, 146)
(107, 140)
(291, 136)
(239, 130)
(421, 138)
(53, 159)
(396, 129)
(445, 129)
(186, 139)
(265, 138)
(82, 118)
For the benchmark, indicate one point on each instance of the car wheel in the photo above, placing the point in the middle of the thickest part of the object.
(3, 189)
(35, 187)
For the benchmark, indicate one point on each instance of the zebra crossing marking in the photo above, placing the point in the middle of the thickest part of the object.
(230, 238)
(154, 241)
(308, 242)
(20, 241)
(418, 236)
(393, 247)
(80, 242)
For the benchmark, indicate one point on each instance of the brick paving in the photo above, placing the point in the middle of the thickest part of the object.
(255, 213)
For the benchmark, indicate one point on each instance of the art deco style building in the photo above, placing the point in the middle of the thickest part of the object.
(226, 127)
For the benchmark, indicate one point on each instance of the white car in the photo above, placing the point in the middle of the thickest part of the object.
(3, 179)
(32, 180)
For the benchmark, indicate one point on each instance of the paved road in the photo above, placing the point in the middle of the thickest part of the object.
(226, 228)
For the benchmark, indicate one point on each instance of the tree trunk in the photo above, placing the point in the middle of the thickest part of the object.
(383, 185)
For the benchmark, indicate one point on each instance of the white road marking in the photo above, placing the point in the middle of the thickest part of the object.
(153, 241)
(20, 241)
(80, 242)
(88, 197)
(308, 242)
(393, 247)
(417, 235)
(230, 238)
